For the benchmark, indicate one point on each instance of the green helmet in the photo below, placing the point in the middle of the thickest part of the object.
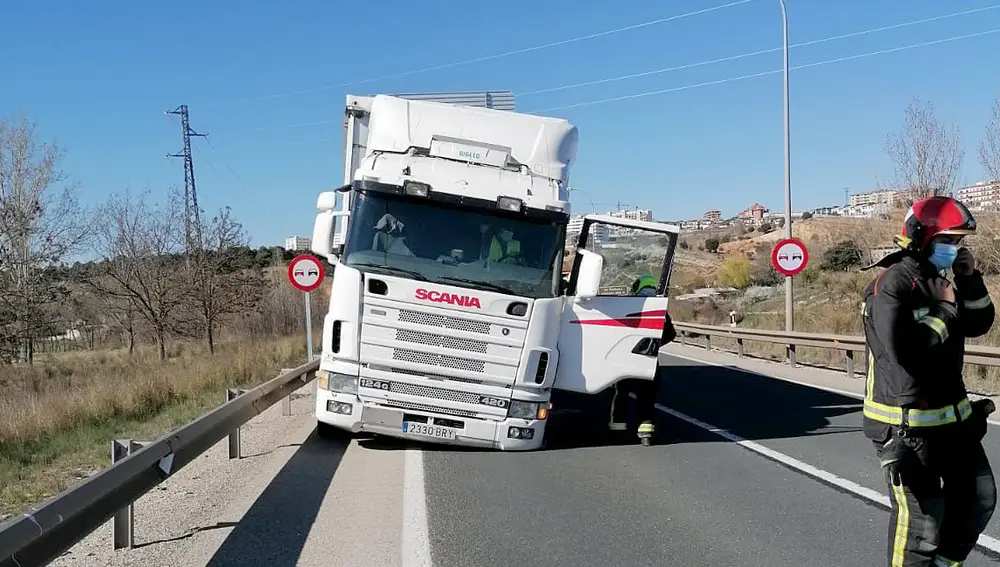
(642, 282)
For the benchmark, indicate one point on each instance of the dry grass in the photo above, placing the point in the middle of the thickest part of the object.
(58, 416)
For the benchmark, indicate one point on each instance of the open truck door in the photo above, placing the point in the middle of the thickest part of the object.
(608, 333)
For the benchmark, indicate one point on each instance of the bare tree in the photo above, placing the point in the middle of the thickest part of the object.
(225, 282)
(989, 147)
(143, 265)
(41, 225)
(926, 154)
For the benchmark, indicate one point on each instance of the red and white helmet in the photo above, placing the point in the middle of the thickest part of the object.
(931, 217)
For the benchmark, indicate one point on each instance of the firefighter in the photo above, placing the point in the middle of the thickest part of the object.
(925, 430)
(645, 391)
(644, 286)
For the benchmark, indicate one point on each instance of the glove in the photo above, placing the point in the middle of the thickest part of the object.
(892, 457)
(941, 290)
(965, 263)
(981, 410)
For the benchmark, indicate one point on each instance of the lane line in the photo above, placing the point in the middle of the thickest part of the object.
(855, 395)
(986, 542)
(416, 548)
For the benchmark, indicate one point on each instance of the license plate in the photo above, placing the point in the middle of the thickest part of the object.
(422, 429)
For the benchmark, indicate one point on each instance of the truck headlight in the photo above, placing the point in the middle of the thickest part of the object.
(335, 382)
(528, 410)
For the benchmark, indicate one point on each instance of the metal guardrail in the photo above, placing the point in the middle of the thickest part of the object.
(46, 531)
(849, 345)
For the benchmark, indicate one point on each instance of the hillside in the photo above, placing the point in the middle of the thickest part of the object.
(696, 267)
(821, 233)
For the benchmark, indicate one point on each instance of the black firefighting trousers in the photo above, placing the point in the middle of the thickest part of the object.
(942, 492)
(645, 392)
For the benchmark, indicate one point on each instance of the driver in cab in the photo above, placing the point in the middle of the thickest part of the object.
(389, 236)
(503, 246)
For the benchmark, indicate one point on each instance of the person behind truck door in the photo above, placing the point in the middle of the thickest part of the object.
(925, 431)
(645, 391)
(644, 286)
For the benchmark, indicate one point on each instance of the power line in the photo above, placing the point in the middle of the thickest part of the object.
(765, 73)
(487, 57)
(708, 83)
(300, 125)
(692, 86)
(682, 67)
(755, 53)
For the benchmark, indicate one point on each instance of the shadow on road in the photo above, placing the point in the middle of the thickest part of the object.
(274, 531)
(752, 406)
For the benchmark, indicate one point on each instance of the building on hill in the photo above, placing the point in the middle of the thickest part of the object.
(714, 215)
(863, 211)
(754, 212)
(981, 197)
(298, 243)
(598, 232)
(886, 197)
(633, 214)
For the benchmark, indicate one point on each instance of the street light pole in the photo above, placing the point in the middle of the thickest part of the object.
(789, 311)
(593, 209)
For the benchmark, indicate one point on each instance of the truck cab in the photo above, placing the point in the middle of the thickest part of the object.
(448, 318)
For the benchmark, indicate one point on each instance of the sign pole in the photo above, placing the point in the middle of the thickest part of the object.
(309, 327)
(305, 273)
(789, 257)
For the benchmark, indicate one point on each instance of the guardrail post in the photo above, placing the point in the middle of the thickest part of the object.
(234, 436)
(123, 529)
(850, 364)
(684, 338)
(739, 348)
(708, 342)
(791, 355)
(286, 404)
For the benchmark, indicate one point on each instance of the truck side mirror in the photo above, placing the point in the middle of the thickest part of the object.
(322, 235)
(588, 282)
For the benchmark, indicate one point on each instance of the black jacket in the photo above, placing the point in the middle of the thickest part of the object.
(916, 344)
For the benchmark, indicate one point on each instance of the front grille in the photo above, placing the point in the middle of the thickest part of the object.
(420, 374)
(431, 409)
(407, 355)
(444, 321)
(432, 392)
(431, 339)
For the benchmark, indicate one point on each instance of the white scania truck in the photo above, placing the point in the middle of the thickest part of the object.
(449, 320)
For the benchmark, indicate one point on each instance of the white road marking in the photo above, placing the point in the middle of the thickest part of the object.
(855, 395)
(416, 546)
(985, 541)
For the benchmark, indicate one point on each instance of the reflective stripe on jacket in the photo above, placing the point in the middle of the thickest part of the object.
(916, 346)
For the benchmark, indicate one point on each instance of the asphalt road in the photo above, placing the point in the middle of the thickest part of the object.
(703, 498)
(697, 500)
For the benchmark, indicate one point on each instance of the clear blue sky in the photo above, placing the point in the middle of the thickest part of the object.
(98, 76)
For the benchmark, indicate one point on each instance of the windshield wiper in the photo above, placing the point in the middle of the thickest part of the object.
(411, 273)
(486, 285)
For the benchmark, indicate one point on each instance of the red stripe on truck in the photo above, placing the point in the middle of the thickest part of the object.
(633, 322)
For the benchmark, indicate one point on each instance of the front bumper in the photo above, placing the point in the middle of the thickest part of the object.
(474, 432)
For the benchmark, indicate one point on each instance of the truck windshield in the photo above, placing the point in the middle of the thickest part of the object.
(465, 247)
